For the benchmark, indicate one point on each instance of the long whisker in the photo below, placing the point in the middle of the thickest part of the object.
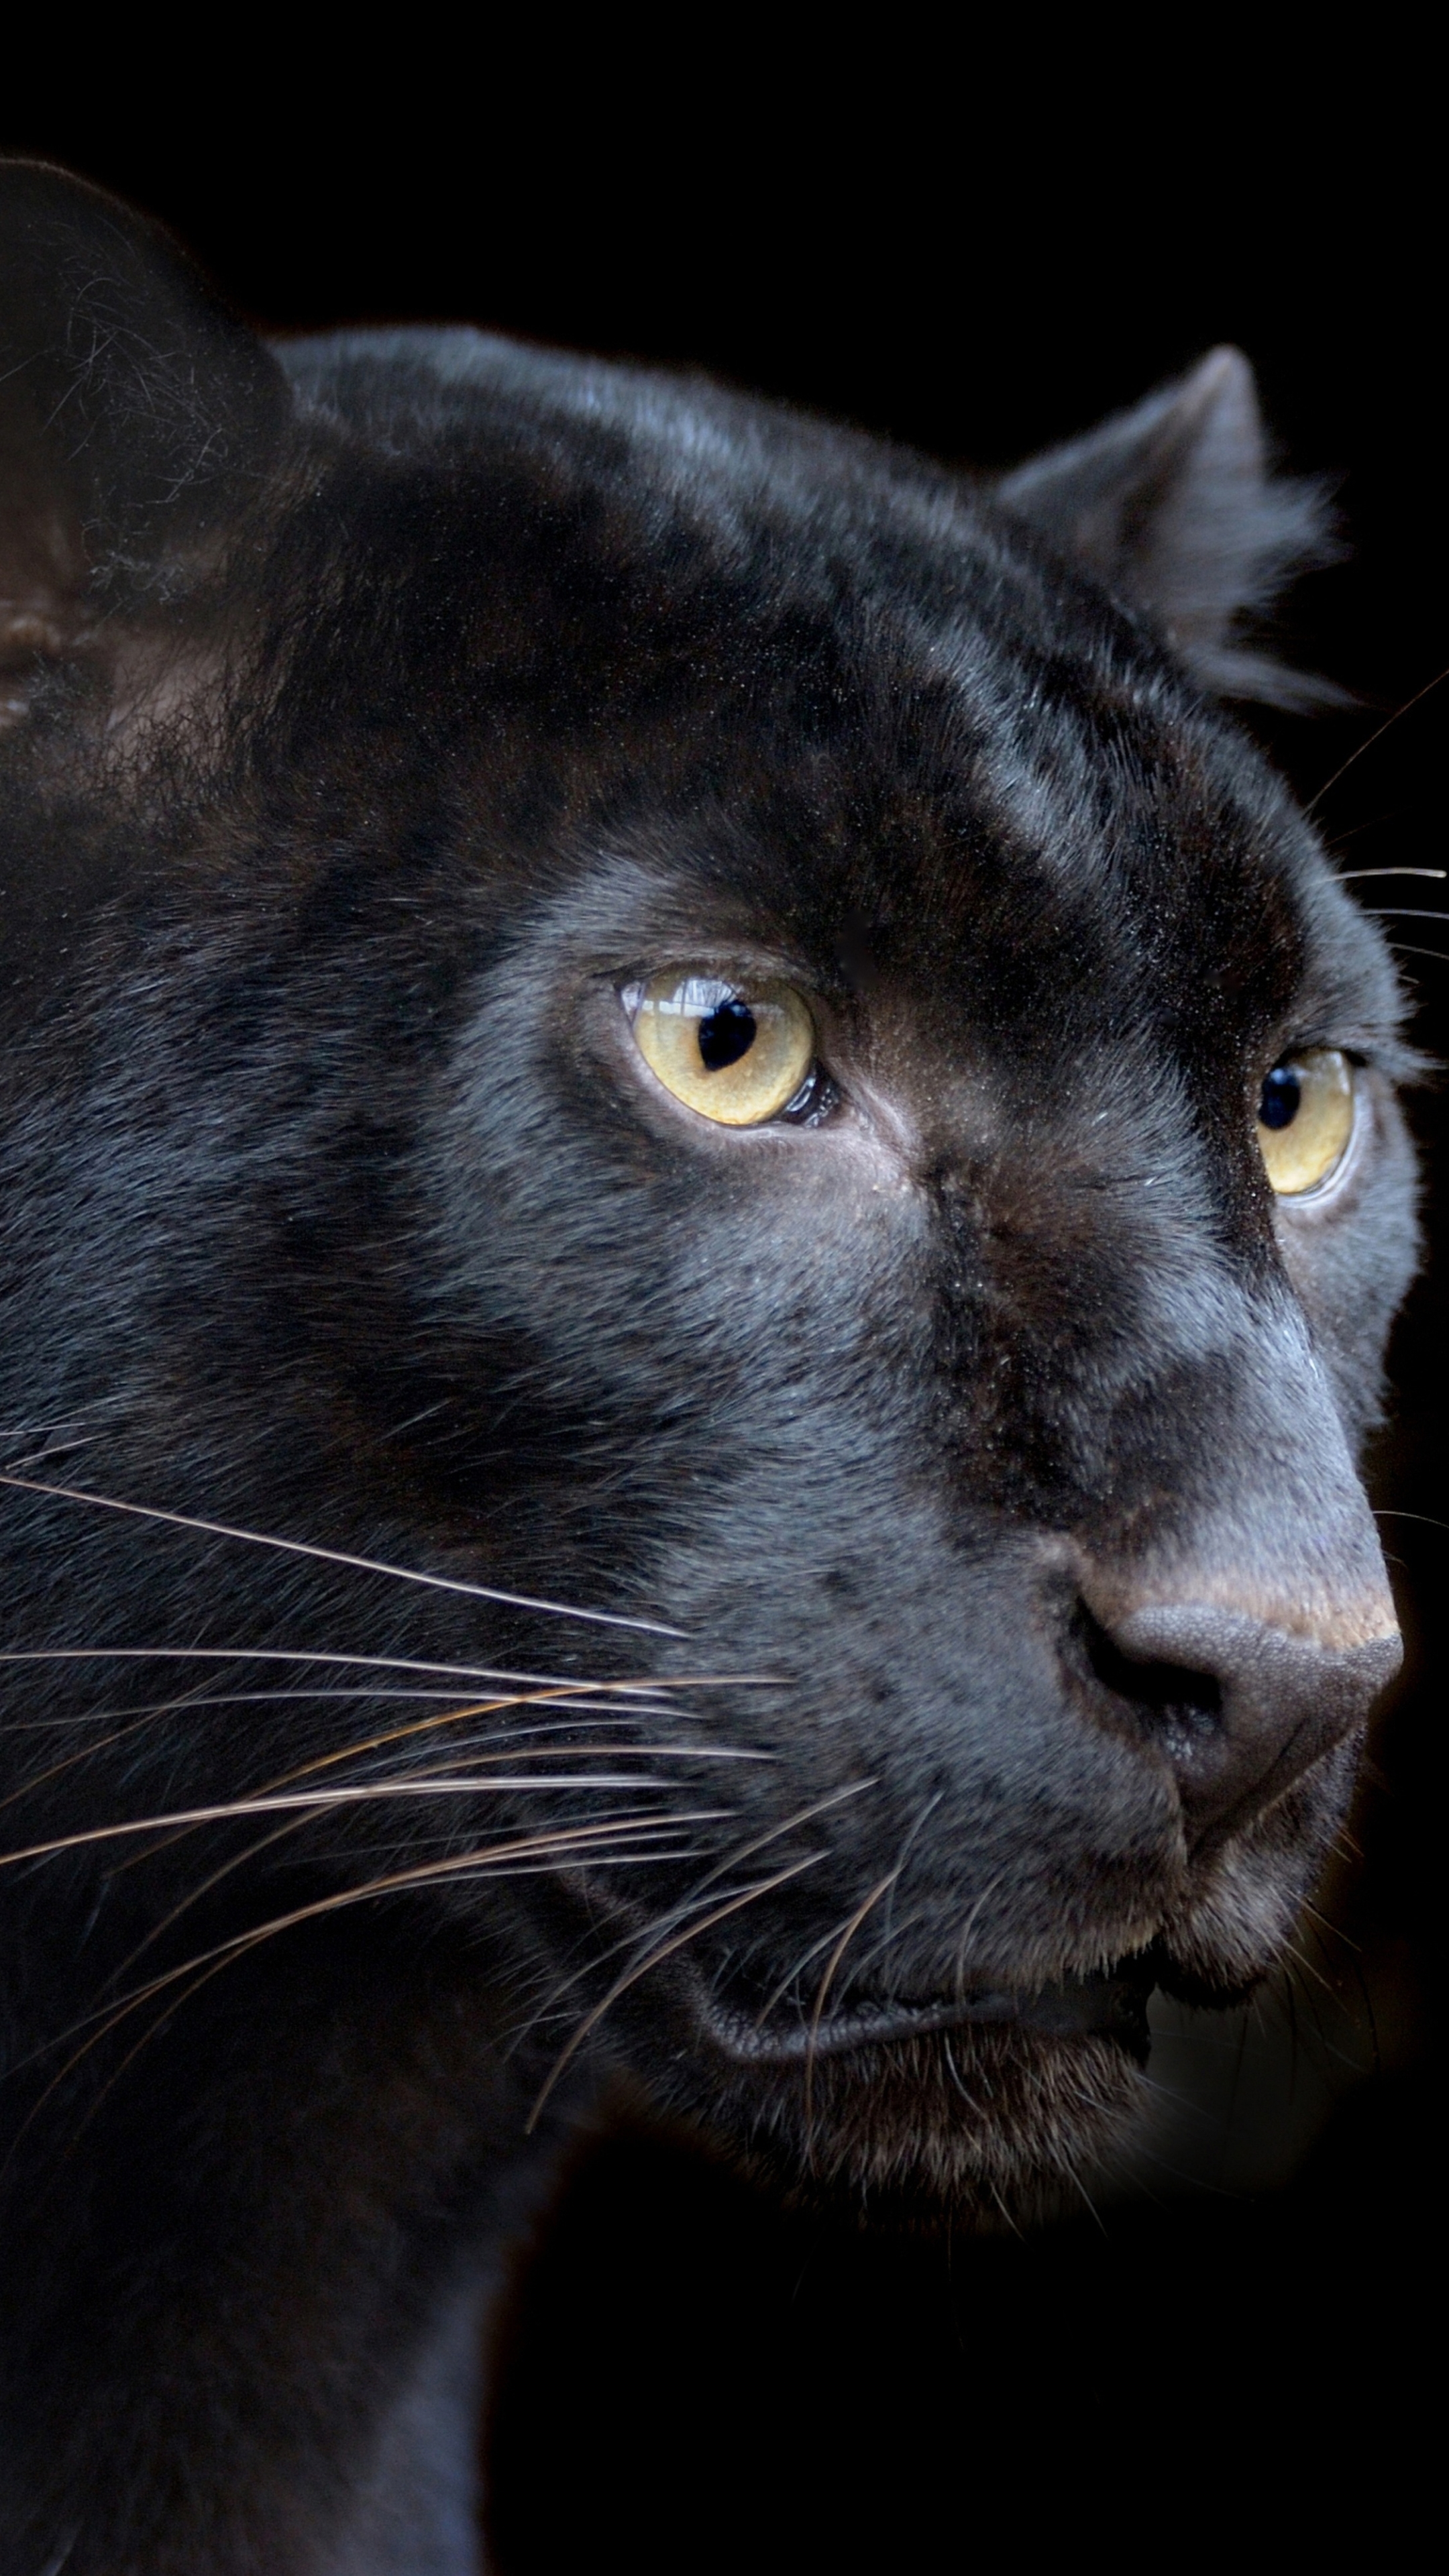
(52, 1449)
(203, 1889)
(887, 1934)
(1377, 735)
(655, 1957)
(492, 1753)
(472, 1869)
(923, 1817)
(489, 1752)
(337, 1556)
(732, 1859)
(884, 1939)
(549, 1851)
(969, 1926)
(557, 1696)
(422, 1726)
(382, 1662)
(364, 1663)
(823, 1989)
(297, 1801)
(87, 1753)
(276, 1655)
(572, 1841)
(1346, 876)
(230, 1699)
(796, 1969)
(1297, 1953)
(597, 1711)
(581, 1712)
(887, 1937)
(294, 1824)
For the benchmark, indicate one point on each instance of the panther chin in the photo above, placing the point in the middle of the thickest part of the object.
(997, 2104)
(991, 2106)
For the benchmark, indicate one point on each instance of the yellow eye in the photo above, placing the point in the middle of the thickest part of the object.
(1305, 1119)
(736, 1055)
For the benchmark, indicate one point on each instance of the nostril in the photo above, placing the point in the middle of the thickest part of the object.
(1237, 1704)
(1181, 1705)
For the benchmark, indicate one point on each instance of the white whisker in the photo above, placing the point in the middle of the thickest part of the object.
(733, 1905)
(295, 1801)
(560, 1848)
(847, 1935)
(886, 1939)
(632, 1688)
(355, 1663)
(695, 1897)
(337, 1556)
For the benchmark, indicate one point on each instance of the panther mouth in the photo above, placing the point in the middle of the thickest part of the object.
(1110, 2004)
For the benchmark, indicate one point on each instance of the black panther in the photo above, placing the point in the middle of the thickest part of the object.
(701, 1196)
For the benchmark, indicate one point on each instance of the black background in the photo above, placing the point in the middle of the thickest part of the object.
(695, 2379)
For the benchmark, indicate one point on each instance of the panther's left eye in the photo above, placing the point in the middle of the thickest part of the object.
(738, 1053)
(1305, 1119)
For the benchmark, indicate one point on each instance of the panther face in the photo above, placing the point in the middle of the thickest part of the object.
(681, 1018)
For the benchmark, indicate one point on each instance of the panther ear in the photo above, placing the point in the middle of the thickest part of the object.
(136, 417)
(1174, 508)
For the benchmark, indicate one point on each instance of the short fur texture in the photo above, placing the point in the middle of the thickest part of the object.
(967, 1608)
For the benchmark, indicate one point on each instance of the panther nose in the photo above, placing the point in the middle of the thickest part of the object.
(1242, 1703)
(1244, 1610)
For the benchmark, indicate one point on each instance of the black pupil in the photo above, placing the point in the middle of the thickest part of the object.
(1282, 1093)
(727, 1034)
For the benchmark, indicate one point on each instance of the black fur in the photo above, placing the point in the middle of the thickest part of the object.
(379, 709)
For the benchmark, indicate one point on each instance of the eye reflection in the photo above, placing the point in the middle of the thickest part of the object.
(728, 1032)
(1282, 1093)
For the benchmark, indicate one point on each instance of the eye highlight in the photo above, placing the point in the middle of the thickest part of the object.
(737, 1055)
(1305, 1119)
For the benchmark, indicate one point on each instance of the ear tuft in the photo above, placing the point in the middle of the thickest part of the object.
(1173, 507)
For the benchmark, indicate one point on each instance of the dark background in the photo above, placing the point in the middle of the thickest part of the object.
(696, 2379)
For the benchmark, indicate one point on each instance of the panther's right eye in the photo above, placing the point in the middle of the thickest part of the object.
(738, 1053)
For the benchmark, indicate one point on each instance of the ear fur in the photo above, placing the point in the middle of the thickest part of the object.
(1173, 507)
(136, 415)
